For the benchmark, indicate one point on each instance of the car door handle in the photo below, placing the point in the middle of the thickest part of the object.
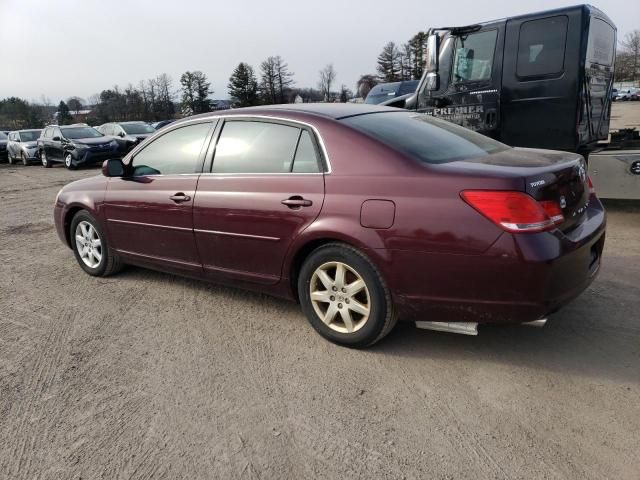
(296, 202)
(180, 197)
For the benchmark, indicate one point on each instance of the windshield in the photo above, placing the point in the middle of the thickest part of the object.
(80, 132)
(425, 138)
(137, 128)
(2, 136)
(30, 136)
(383, 92)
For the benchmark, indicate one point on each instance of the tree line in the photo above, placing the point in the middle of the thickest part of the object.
(276, 85)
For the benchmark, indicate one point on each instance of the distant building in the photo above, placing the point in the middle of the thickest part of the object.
(77, 115)
(298, 99)
(221, 104)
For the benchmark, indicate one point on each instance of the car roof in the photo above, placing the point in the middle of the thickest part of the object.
(335, 111)
(130, 121)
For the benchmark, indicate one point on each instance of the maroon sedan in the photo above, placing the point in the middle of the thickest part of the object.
(363, 214)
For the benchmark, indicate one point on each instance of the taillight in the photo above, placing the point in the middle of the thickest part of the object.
(515, 211)
(592, 189)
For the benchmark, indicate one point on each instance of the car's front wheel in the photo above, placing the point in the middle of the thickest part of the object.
(25, 162)
(45, 160)
(344, 296)
(68, 161)
(90, 246)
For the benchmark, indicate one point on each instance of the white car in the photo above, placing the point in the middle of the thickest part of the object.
(629, 94)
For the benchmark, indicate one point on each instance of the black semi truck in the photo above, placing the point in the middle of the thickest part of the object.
(539, 80)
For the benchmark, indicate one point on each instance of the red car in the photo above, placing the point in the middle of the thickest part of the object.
(363, 214)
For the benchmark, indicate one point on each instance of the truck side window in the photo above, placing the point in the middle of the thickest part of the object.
(473, 58)
(541, 47)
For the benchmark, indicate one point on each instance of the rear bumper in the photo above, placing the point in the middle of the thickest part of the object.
(521, 278)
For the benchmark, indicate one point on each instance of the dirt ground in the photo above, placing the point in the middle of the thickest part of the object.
(625, 115)
(147, 375)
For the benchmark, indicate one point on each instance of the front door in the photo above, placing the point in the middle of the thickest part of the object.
(266, 186)
(150, 211)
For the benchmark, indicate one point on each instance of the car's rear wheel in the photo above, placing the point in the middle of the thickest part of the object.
(90, 246)
(344, 296)
(68, 161)
(45, 160)
(25, 162)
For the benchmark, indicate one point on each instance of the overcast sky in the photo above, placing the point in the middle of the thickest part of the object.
(60, 48)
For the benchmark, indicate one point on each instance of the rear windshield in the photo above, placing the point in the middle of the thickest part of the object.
(80, 132)
(425, 138)
(383, 92)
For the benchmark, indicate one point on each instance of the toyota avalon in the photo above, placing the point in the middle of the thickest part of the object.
(363, 214)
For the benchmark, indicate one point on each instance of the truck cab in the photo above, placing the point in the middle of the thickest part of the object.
(539, 80)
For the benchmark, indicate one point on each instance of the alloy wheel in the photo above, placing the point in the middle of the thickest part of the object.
(43, 158)
(68, 161)
(340, 297)
(88, 244)
(25, 162)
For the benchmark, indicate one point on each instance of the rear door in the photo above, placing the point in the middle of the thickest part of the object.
(55, 146)
(540, 83)
(150, 213)
(265, 187)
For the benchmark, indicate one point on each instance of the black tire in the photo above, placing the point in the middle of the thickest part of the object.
(68, 162)
(25, 162)
(110, 263)
(381, 314)
(46, 163)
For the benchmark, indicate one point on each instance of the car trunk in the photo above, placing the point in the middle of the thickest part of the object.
(544, 174)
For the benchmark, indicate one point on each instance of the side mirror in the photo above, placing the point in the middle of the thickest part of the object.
(113, 167)
(121, 134)
(17, 140)
(56, 138)
(433, 81)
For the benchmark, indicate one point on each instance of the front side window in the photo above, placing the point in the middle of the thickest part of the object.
(175, 152)
(541, 47)
(255, 147)
(473, 59)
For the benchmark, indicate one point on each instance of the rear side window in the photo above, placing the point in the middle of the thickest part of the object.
(306, 160)
(255, 147)
(474, 56)
(602, 42)
(175, 152)
(541, 47)
(425, 138)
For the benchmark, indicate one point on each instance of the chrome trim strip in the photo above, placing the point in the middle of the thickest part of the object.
(210, 118)
(239, 235)
(166, 227)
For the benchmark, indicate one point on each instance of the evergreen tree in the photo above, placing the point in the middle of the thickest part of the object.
(243, 86)
(195, 93)
(389, 63)
(417, 45)
(64, 117)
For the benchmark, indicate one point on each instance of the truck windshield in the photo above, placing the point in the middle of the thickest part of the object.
(425, 138)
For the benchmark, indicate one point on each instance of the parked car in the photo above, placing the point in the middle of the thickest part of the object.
(161, 124)
(628, 94)
(3, 145)
(23, 145)
(384, 92)
(614, 94)
(363, 214)
(74, 145)
(127, 134)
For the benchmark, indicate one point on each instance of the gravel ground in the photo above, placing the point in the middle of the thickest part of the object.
(147, 375)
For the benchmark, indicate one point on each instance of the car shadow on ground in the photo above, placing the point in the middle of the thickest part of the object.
(586, 338)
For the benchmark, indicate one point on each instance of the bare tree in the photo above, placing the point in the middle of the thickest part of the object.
(631, 46)
(75, 104)
(365, 84)
(327, 76)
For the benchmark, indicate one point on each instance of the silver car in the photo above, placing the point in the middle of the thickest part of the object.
(23, 146)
